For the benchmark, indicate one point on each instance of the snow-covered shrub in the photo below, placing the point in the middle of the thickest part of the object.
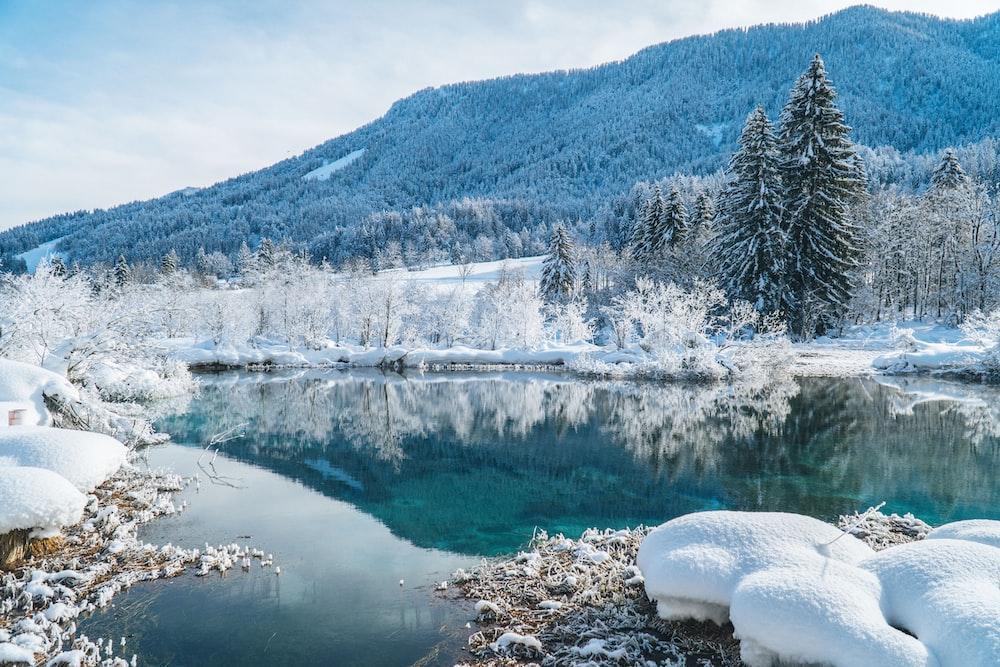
(567, 322)
(507, 313)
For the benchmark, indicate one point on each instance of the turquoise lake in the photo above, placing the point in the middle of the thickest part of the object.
(356, 481)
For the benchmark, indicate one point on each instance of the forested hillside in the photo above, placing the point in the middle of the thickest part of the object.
(494, 164)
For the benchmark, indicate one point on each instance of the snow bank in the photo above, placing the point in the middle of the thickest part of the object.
(206, 353)
(800, 590)
(27, 385)
(34, 498)
(85, 459)
(930, 348)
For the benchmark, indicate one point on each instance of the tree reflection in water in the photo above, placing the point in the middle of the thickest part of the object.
(473, 462)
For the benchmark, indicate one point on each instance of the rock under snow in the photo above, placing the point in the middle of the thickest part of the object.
(85, 459)
(33, 498)
(799, 590)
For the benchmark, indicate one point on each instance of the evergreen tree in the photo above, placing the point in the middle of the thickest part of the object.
(245, 262)
(702, 216)
(122, 272)
(57, 267)
(266, 253)
(749, 245)
(822, 180)
(558, 271)
(170, 263)
(201, 260)
(949, 175)
(646, 228)
(672, 228)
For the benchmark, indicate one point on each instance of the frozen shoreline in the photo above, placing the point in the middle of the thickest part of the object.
(563, 601)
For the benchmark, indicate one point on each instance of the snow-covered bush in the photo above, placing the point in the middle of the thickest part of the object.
(507, 313)
(568, 323)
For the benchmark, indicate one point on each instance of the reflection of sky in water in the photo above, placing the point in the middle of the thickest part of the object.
(355, 481)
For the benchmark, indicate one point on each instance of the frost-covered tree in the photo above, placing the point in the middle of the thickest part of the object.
(822, 179)
(266, 254)
(672, 228)
(58, 267)
(246, 263)
(122, 272)
(749, 245)
(702, 219)
(558, 278)
(949, 175)
(170, 263)
(647, 227)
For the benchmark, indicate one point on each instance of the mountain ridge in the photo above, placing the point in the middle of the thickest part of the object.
(540, 147)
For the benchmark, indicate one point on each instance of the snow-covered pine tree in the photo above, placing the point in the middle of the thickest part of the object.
(266, 253)
(749, 245)
(672, 228)
(558, 271)
(949, 174)
(821, 180)
(245, 261)
(702, 216)
(123, 272)
(57, 267)
(647, 227)
(170, 263)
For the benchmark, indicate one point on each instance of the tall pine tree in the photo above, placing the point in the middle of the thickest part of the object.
(170, 263)
(647, 228)
(672, 228)
(750, 243)
(123, 272)
(558, 271)
(822, 178)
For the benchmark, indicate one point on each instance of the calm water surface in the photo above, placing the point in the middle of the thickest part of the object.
(357, 481)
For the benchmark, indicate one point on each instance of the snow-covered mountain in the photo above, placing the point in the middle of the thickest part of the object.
(500, 160)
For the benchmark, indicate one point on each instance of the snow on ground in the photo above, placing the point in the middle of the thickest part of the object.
(33, 257)
(476, 274)
(206, 353)
(35, 498)
(328, 169)
(85, 459)
(797, 589)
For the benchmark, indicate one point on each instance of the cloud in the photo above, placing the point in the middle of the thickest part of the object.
(102, 103)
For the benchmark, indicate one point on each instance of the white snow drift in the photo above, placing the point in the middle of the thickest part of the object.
(797, 589)
(34, 498)
(85, 459)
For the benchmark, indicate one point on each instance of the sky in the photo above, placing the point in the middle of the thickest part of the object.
(104, 102)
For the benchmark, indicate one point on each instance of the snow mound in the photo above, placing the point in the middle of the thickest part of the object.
(323, 173)
(946, 592)
(983, 531)
(85, 459)
(27, 385)
(33, 498)
(799, 590)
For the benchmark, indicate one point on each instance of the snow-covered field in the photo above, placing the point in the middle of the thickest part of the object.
(44, 251)
(323, 173)
(474, 274)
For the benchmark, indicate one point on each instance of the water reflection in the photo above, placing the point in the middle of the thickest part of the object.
(472, 463)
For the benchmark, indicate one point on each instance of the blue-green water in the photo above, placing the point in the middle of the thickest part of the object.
(356, 481)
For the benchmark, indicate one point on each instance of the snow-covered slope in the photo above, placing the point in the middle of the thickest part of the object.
(324, 172)
(44, 251)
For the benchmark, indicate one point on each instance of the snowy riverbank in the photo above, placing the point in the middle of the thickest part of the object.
(589, 600)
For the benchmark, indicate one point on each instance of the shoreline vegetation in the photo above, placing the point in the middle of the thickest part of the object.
(583, 601)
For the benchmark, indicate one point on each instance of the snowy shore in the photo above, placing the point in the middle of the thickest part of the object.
(71, 504)
(667, 594)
